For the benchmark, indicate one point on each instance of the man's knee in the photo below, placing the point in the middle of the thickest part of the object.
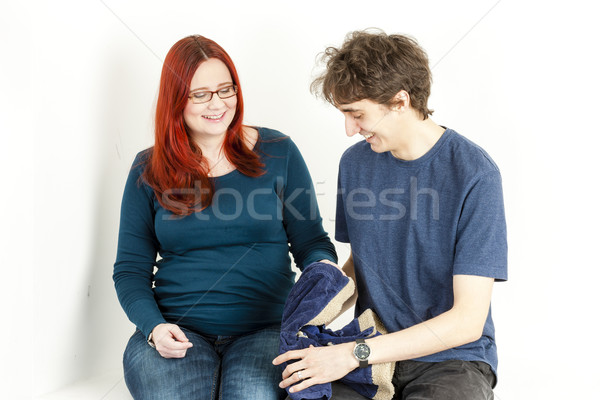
(450, 380)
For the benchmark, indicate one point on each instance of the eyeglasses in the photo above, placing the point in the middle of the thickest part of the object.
(204, 96)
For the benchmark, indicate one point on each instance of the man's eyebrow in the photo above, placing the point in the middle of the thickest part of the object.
(347, 109)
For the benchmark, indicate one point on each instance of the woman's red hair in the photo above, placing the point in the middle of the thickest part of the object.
(176, 169)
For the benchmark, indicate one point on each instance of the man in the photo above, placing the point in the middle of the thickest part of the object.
(422, 209)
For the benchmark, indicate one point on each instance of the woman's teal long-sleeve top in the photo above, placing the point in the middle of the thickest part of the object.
(225, 270)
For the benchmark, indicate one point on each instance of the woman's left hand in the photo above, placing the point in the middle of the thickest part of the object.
(316, 365)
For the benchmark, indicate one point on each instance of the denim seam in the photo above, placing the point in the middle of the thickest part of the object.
(213, 394)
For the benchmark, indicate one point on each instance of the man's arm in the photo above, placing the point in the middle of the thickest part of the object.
(462, 324)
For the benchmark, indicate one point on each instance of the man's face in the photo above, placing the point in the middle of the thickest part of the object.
(375, 122)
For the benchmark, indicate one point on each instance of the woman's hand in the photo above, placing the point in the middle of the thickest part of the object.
(316, 365)
(170, 341)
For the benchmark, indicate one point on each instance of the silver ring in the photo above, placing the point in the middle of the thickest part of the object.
(299, 375)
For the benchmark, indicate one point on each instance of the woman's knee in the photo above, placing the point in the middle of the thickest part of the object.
(248, 371)
(150, 376)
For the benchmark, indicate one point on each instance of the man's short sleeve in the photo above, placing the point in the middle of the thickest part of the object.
(481, 246)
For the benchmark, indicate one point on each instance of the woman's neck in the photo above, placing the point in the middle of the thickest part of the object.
(211, 147)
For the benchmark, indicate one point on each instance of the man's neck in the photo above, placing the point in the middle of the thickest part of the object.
(418, 137)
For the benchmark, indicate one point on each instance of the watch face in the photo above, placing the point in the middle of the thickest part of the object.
(362, 351)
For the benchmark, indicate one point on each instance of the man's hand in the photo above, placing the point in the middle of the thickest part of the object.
(316, 365)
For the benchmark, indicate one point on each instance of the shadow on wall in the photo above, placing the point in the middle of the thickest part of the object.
(124, 120)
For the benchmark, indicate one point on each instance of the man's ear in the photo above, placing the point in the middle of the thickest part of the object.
(401, 101)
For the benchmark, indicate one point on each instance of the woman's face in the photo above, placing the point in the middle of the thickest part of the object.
(210, 120)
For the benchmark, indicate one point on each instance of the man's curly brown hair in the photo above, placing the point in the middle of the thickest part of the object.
(375, 66)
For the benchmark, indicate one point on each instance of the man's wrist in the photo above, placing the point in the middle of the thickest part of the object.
(349, 354)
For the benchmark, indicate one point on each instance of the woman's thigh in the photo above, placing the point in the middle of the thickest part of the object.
(248, 372)
(149, 376)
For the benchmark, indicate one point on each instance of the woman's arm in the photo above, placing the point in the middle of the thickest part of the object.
(303, 223)
(136, 254)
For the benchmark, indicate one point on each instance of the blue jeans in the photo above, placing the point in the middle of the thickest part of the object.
(221, 367)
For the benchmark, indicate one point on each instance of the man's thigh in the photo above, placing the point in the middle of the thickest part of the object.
(446, 380)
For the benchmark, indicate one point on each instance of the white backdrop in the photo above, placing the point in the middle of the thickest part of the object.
(78, 83)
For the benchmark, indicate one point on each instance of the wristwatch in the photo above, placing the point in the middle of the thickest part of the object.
(361, 352)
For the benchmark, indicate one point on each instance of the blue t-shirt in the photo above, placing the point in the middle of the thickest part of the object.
(414, 224)
(224, 270)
